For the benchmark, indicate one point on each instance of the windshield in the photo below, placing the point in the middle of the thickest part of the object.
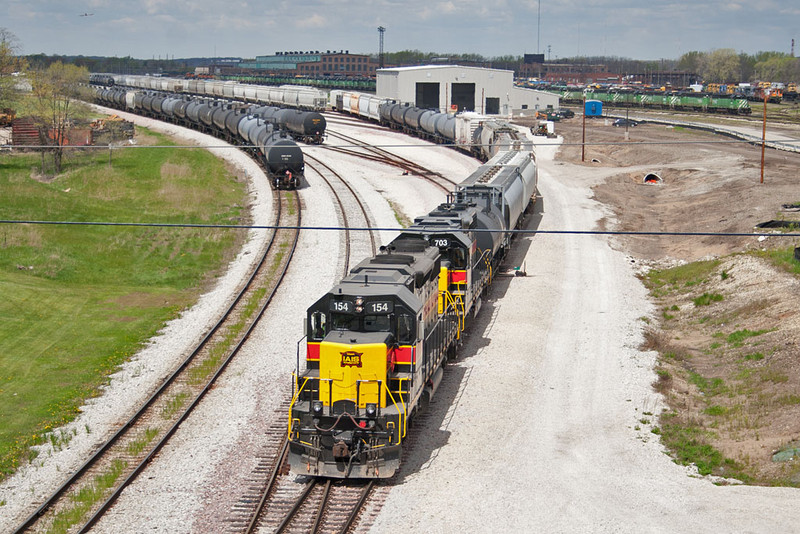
(361, 323)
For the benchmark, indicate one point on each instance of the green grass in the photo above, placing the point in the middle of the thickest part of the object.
(86, 497)
(689, 445)
(80, 300)
(709, 387)
(687, 275)
(737, 338)
(782, 257)
(707, 298)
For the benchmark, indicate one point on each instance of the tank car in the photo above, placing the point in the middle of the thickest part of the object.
(308, 126)
(283, 158)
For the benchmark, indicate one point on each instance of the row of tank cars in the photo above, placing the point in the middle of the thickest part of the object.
(298, 97)
(377, 342)
(266, 131)
(476, 134)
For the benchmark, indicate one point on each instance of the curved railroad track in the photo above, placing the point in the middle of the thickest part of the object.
(353, 213)
(364, 150)
(94, 487)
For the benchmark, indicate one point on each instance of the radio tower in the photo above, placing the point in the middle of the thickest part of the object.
(381, 29)
(792, 48)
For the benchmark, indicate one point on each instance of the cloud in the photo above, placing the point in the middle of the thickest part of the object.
(314, 21)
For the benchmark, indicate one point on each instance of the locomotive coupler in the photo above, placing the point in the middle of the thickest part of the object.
(340, 450)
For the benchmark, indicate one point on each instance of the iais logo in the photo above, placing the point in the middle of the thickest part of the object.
(351, 358)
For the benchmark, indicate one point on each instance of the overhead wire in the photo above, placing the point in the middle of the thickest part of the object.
(404, 146)
(396, 229)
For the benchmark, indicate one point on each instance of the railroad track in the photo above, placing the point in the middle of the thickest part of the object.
(89, 492)
(353, 213)
(366, 151)
(319, 505)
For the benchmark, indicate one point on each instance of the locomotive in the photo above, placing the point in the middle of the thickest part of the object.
(377, 342)
(235, 122)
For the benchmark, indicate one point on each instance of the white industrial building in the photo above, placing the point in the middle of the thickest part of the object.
(451, 87)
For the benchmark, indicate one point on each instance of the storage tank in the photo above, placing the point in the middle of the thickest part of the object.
(180, 107)
(399, 112)
(428, 122)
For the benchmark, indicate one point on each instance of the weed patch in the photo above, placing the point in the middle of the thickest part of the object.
(706, 299)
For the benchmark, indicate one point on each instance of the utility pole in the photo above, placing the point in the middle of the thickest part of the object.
(538, 23)
(381, 30)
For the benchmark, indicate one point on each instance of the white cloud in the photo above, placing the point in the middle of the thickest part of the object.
(314, 21)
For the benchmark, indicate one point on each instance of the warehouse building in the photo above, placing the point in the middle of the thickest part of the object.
(457, 88)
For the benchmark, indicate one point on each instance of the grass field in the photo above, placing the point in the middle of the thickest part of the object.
(79, 300)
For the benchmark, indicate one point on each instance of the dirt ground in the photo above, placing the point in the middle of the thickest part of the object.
(729, 367)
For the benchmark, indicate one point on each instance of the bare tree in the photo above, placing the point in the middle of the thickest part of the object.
(55, 91)
(10, 65)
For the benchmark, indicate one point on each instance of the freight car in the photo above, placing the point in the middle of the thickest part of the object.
(297, 97)
(377, 342)
(238, 123)
(681, 101)
(464, 131)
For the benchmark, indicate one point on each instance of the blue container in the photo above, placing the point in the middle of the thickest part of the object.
(594, 108)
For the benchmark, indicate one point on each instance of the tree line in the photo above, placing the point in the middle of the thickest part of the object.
(723, 65)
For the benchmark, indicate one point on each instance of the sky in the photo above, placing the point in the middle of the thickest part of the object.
(636, 29)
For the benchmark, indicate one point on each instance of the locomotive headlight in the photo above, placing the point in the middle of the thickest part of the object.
(372, 410)
(359, 301)
(316, 407)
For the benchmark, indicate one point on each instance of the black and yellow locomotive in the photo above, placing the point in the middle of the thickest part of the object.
(376, 343)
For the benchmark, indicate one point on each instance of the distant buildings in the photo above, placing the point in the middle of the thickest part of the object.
(314, 64)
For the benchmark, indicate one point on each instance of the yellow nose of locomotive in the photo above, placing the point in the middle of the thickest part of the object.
(353, 371)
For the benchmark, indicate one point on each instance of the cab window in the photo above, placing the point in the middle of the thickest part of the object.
(343, 321)
(458, 258)
(318, 325)
(376, 323)
(405, 328)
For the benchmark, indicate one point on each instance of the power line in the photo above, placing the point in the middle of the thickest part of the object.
(404, 146)
(388, 229)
